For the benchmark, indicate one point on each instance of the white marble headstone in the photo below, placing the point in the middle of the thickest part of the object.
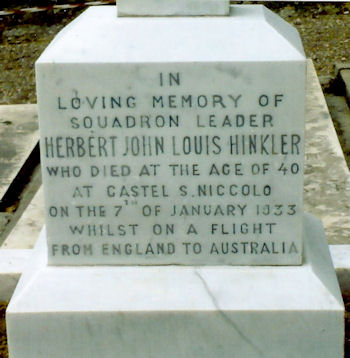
(186, 148)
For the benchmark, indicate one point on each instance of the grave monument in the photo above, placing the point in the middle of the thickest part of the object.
(172, 147)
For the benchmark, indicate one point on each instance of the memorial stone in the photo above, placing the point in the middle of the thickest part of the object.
(172, 160)
(184, 150)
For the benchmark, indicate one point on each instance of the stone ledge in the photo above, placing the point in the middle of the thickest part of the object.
(12, 263)
(326, 175)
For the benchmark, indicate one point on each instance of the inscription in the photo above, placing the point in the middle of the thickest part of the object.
(175, 167)
(170, 249)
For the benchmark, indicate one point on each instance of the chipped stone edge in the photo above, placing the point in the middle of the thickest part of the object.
(13, 261)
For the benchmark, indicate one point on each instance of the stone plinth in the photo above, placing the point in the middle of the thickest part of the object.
(179, 312)
(173, 8)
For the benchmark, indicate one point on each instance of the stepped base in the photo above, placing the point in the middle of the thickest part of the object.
(179, 311)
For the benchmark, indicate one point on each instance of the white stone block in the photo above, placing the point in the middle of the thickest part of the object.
(173, 8)
(206, 118)
(180, 312)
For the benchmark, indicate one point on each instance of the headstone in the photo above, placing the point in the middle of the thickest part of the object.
(172, 152)
(157, 163)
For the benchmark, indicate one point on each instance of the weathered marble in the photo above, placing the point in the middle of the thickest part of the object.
(327, 178)
(177, 312)
(25, 233)
(173, 8)
(19, 134)
(147, 161)
(336, 197)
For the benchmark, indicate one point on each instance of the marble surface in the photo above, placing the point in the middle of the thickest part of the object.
(154, 163)
(173, 8)
(97, 36)
(327, 177)
(178, 312)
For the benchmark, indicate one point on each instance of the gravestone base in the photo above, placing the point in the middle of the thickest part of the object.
(179, 311)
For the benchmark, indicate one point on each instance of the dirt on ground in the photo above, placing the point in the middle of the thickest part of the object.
(3, 339)
(346, 298)
(324, 28)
